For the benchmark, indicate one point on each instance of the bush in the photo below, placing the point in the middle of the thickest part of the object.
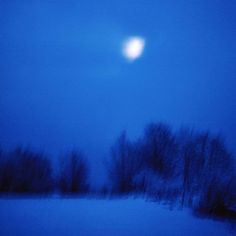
(124, 165)
(218, 199)
(23, 171)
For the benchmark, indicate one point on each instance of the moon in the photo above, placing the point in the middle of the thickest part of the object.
(133, 48)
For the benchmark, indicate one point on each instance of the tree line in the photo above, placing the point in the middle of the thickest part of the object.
(25, 171)
(192, 168)
(189, 167)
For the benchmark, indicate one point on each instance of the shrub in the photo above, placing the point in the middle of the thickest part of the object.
(23, 171)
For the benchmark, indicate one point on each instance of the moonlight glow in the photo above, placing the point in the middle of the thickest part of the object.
(133, 48)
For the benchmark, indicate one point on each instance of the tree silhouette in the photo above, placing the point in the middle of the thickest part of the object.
(24, 171)
(160, 149)
(124, 165)
(73, 173)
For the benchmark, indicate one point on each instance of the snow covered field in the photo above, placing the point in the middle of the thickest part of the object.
(86, 217)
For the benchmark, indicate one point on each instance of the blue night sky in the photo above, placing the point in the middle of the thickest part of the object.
(64, 82)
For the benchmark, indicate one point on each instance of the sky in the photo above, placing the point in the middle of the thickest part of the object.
(64, 82)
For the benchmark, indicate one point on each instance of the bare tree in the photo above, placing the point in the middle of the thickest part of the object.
(217, 194)
(208, 173)
(160, 149)
(193, 150)
(73, 173)
(123, 165)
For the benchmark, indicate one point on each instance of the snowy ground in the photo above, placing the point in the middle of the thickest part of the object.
(86, 217)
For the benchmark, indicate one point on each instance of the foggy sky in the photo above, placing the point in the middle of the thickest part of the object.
(64, 82)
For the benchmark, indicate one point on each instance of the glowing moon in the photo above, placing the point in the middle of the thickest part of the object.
(133, 48)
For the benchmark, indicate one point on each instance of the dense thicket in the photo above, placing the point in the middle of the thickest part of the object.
(194, 168)
(23, 171)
